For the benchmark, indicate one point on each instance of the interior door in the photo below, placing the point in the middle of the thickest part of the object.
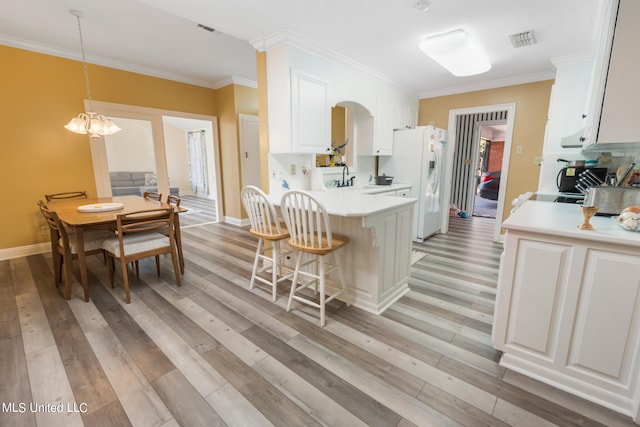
(250, 149)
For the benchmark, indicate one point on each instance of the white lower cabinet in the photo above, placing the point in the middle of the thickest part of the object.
(568, 313)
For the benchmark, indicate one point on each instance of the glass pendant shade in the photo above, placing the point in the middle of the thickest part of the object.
(95, 125)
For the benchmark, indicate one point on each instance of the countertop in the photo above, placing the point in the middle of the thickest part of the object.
(562, 219)
(355, 201)
(376, 189)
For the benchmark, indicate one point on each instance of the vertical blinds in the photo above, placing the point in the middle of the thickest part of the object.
(463, 164)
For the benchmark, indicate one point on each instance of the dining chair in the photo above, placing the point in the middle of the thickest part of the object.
(64, 250)
(138, 238)
(152, 195)
(66, 195)
(266, 226)
(310, 234)
(175, 201)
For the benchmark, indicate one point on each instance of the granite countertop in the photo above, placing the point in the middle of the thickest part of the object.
(562, 219)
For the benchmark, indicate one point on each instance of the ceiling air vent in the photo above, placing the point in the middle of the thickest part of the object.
(204, 27)
(526, 38)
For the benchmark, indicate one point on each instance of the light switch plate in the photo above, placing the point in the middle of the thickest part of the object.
(292, 169)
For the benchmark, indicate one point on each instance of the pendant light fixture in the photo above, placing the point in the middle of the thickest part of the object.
(96, 125)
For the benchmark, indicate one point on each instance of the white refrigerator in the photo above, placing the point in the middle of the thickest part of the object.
(418, 159)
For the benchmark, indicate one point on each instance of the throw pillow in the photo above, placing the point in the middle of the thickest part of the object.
(150, 179)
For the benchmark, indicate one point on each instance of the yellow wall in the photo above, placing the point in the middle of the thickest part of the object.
(233, 100)
(261, 67)
(39, 95)
(532, 106)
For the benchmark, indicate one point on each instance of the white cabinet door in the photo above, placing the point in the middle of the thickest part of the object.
(311, 118)
(620, 107)
(536, 283)
(607, 325)
(614, 106)
(405, 117)
(383, 128)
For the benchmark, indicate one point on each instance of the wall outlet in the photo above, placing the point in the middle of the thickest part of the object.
(292, 169)
(44, 230)
(537, 160)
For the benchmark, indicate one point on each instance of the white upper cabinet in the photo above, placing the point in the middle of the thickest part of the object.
(568, 104)
(311, 114)
(406, 117)
(302, 86)
(382, 142)
(615, 108)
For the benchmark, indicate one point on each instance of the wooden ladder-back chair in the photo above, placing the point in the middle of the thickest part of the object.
(311, 234)
(64, 251)
(175, 201)
(266, 226)
(138, 238)
(152, 195)
(67, 195)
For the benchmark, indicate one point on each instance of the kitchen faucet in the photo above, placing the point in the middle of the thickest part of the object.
(343, 169)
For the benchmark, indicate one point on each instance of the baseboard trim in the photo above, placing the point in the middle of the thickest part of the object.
(236, 221)
(22, 251)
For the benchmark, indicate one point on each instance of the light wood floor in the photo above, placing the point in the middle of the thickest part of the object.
(200, 211)
(214, 353)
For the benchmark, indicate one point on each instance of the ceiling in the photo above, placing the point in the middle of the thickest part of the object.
(161, 38)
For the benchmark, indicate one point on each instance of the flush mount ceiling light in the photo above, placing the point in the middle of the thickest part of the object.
(96, 125)
(456, 52)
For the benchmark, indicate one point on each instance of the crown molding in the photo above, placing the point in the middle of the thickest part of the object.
(97, 60)
(570, 59)
(494, 84)
(289, 38)
(233, 80)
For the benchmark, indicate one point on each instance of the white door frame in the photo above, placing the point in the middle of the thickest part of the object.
(451, 147)
(477, 137)
(154, 115)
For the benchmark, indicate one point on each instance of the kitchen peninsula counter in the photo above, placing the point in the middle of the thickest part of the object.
(563, 218)
(568, 304)
(377, 259)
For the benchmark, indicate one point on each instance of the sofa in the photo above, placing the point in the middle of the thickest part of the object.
(136, 183)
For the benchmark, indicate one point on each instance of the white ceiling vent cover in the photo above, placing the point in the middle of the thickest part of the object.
(526, 38)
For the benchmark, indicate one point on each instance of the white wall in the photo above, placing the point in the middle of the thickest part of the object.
(175, 134)
(132, 149)
(175, 140)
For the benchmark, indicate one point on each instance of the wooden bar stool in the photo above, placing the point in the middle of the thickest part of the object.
(310, 233)
(266, 226)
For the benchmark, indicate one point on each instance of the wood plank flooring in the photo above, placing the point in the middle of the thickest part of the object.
(212, 352)
(200, 211)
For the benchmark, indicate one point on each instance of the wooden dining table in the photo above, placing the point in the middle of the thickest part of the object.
(90, 219)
